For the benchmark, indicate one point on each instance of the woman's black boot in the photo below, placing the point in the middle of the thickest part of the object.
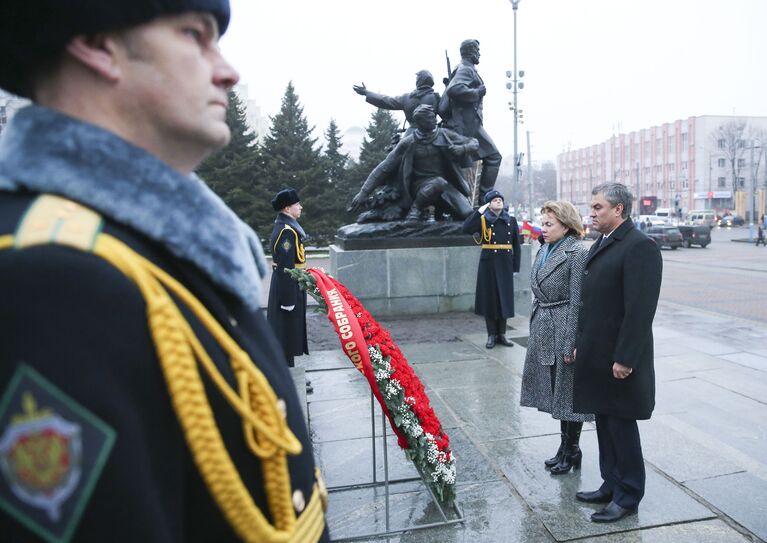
(572, 456)
(553, 461)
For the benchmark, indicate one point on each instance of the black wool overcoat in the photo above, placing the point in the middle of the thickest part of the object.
(494, 296)
(81, 324)
(619, 295)
(288, 326)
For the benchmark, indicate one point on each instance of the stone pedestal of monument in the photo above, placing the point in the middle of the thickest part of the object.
(415, 268)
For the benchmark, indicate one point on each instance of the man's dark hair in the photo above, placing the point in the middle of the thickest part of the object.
(616, 193)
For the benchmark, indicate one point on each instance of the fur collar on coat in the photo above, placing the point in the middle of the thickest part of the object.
(45, 151)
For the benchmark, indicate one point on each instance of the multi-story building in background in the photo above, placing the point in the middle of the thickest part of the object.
(258, 124)
(706, 162)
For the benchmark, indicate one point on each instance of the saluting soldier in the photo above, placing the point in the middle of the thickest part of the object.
(287, 301)
(498, 234)
(144, 396)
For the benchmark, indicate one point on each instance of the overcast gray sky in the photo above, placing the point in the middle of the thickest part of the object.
(591, 66)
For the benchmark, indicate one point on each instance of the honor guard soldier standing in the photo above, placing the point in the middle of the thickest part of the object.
(287, 302)
(143, 396)
(500, 258)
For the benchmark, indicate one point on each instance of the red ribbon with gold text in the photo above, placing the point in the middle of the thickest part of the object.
(350, 333)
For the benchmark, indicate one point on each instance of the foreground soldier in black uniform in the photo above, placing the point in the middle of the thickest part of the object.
(499, 236)
(143, 396)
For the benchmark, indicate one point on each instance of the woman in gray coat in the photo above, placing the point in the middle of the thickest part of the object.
(555, 279)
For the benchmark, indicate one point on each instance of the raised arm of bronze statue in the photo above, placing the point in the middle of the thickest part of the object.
(423, 93)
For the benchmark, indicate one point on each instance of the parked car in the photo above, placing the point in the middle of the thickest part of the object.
(695, 235)
(588, 230)
(655, 220)
(732, 220)
(666, 236)
(702, 216)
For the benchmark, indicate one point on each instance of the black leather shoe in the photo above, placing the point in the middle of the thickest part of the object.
(612, 513)
(598, 496)
(504, 341)
(490, 342)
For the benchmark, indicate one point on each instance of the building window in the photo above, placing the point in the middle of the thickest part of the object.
(741, 144)
(722, 161)
(721, 182)
(684, 166)
(741, 163)
(741, 182)
(721, 143)
(658, 146)
(684, 139)
(671, 141)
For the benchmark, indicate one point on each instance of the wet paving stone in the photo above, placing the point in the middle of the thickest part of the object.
(475, 374)
(430, 353)
(741, 496)
(553, 497)
(492, 513)
(338, 384)
(678, 455)
(707, 531)
(493, 412)
(349, 462)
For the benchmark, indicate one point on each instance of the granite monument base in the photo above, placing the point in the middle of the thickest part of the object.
(423, 280)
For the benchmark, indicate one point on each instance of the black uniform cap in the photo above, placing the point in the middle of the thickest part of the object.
(284, 198)
(33, 32)
(492, 195)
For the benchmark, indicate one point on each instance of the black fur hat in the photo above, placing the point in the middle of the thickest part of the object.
(286, 197)
(493, 194)
(34, 32)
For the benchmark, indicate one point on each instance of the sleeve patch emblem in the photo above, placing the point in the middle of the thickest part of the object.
(52, 452)
(286, 246)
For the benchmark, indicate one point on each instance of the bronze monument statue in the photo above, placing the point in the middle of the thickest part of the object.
(461, 110)
(423, 170)
(423, 93)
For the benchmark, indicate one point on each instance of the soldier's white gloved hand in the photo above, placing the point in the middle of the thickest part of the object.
(484, 207)
(288, 307)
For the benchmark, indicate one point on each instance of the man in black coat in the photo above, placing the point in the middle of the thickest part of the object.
(144, 396)
(614, 373)
(498, 234)
(287, 302)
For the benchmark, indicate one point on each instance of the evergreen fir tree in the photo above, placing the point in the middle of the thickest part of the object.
(291, 159)
(337, 172)
(335, 160)
(375, 146)
(232, 171)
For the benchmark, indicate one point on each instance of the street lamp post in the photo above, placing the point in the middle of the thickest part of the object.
(514, 5)
(752, 192)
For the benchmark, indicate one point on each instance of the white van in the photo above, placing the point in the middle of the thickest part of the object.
(665, 212)
(701, 216)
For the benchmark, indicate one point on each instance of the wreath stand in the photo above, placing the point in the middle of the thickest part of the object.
(386, 482)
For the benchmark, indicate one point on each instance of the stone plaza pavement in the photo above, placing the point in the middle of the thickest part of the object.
(705, 447)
